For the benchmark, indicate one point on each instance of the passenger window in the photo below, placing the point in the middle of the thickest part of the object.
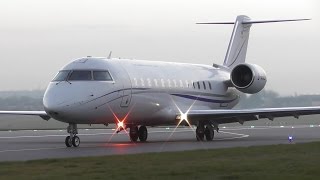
(80, 76)
(198, 85)
(61, 76)
(204, 85)
(102, 76)
(210, 85)
(193, 85)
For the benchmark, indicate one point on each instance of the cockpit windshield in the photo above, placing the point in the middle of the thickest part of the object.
(62, 76)
(83, 75)
(101, 76)
(80, 76)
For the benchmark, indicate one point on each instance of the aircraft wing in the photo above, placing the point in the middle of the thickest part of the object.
(242, 115)
(42, 114)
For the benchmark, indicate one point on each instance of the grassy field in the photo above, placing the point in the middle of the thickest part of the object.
(292, 161)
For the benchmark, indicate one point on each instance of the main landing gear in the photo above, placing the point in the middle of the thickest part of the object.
(140, 133)
(205, 131)
(73, 139)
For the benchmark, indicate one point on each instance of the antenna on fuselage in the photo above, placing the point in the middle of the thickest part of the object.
(109, 56)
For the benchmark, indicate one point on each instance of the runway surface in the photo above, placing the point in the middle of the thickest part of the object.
(42, 144)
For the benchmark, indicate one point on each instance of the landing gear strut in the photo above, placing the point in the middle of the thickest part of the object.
(141, 133)
(73, 139)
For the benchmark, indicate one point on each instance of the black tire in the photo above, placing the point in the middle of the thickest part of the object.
(68, 141)
(134, 133)
(143, 133)
(209, 133)
(75, 141)
(200, 133)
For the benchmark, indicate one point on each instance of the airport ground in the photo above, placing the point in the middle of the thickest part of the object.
(41, 144)
(290, 161)
(235, 153)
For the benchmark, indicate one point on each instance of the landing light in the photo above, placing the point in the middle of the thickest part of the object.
(184, 116)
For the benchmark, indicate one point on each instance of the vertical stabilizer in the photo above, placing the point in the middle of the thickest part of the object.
(237, 49)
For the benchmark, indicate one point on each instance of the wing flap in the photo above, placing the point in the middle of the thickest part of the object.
(242, 115)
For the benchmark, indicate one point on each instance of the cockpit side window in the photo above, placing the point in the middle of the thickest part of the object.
(81, 75)
(61, 76)
(101, 76)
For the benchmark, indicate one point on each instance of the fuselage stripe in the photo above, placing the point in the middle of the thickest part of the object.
(204, 99)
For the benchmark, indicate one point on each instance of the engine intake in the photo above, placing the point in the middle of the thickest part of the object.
(248, 78)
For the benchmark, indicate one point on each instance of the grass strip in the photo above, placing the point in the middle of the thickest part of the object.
(294, 161)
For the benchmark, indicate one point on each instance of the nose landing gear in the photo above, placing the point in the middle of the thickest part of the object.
(73, 139)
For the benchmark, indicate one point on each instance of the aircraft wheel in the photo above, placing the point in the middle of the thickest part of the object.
(200, 133)
(143, 133)
(209, 133)
(75, 141)
(134, 133)
(68, 141)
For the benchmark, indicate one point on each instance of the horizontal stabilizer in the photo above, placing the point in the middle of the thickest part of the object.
(257, 22)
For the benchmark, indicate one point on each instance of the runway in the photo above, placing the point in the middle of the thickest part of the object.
(43, 144)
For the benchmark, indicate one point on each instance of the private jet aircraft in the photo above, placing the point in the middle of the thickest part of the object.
(134, 94)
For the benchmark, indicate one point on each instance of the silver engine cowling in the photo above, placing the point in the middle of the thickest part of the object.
(248, 78)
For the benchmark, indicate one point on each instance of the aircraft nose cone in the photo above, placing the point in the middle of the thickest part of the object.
(54, 103)
(53, 107)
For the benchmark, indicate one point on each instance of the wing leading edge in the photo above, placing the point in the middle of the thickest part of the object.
(42, 114)
(242, 115)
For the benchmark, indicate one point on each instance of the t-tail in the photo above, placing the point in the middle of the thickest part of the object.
(238, 45)
(247, 78)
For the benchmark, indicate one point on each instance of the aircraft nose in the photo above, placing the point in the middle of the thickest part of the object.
(54, 102)
(53, 107)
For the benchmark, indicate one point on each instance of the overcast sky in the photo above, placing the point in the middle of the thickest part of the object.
(38, 37)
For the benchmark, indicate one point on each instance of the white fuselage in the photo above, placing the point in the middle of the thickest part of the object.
(147, 92)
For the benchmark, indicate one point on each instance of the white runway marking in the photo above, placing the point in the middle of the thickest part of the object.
(38, 149)
(267, 127)
(239, 136)
(94, 134)
(161, 131)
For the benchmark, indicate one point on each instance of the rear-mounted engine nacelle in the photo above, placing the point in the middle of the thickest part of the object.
(248, 78)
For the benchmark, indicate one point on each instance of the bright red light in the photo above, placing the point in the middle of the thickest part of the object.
(120, 125)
